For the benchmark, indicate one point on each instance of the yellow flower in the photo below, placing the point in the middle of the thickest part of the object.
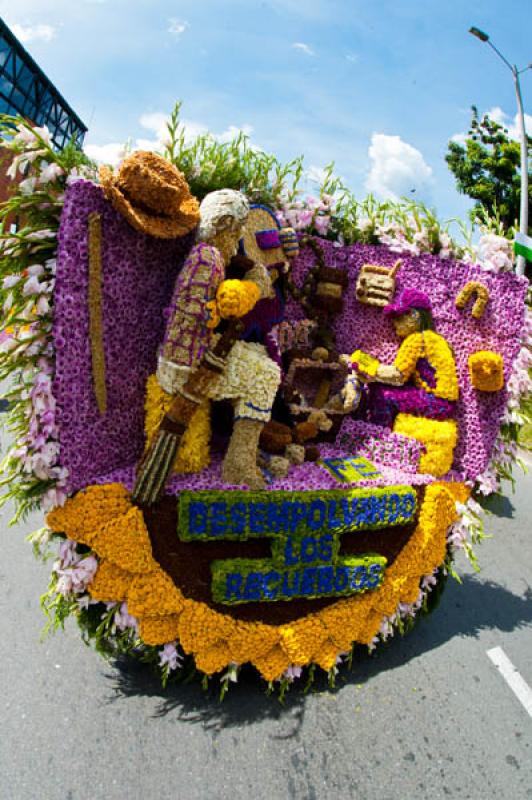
(235, 298)
(193, 453)
(327, 655)
(81, 517)
(486, 371)
(303, 639)
(438, 436)
(250, 640)
(481, 301)
(432, 346)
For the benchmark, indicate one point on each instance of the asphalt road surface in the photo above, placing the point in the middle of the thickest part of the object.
(429, 716)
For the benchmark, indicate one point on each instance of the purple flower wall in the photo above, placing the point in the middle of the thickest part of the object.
(138, 276)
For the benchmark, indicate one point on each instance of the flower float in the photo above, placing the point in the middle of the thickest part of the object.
(348, 530)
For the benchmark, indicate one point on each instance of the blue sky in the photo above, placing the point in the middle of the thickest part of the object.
(379, 87)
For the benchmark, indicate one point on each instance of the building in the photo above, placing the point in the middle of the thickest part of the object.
(25, 90)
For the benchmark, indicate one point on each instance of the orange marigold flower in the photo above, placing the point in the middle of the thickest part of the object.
(302, 639)
(159, 630)
(273, 664)
(250, 640)
(110, 583)
(327, 655)
(125, 541)
(154, 594)
(201, 627)
(214, 658)
(90, 508)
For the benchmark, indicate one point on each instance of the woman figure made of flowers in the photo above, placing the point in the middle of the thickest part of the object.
(417, 394)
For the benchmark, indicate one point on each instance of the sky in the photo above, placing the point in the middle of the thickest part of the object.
(377, 87)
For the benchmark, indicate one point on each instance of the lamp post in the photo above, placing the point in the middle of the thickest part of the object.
(523, 216)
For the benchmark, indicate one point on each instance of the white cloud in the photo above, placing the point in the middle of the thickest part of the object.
(315, 174)
(459, 138)
(111, 153)
(233, 131)
(352, 57)
(155, 122)
(177, 26)
(303, 48)
(34, 33)
(504, 119)
(397, 168)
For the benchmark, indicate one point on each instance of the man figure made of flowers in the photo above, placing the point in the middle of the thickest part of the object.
(422, 380)
(202, 298)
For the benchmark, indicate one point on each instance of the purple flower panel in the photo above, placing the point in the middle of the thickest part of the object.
(366, 327)
(138, 276)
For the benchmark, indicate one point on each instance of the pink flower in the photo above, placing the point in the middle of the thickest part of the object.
(53, 498)
(292, 673)
(322, 224)
(123, 620)
(304, 219)
(170, 656)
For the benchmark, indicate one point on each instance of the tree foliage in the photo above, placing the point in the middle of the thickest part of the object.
(487, 169)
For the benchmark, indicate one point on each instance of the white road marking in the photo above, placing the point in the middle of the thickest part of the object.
(515, 681)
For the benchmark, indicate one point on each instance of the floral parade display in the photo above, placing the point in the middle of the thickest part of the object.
(259, 425)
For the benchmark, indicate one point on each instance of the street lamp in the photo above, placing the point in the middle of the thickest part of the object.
(523, 217)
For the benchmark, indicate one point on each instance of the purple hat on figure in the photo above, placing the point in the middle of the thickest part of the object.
(406, 300)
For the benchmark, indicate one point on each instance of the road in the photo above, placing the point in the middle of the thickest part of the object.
(429, 716)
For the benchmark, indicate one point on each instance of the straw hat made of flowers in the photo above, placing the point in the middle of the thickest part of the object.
(263, 240)
(152, 195)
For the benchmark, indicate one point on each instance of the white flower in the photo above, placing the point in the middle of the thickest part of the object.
(8, 303)
(8, 344)
(28, 185)
(11, 172)
(43, 306)
(32, 286)
(10, 281)
(291, 673)
(123, 620)
(35, 269)
(50, 172)
(45, 233)
(25, 136)
(44, 133)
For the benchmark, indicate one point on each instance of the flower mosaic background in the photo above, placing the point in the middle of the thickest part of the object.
(139, 273)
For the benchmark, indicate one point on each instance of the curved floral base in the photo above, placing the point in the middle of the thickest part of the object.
(105, 519)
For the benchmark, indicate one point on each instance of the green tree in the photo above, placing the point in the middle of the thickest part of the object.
(487, 169)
